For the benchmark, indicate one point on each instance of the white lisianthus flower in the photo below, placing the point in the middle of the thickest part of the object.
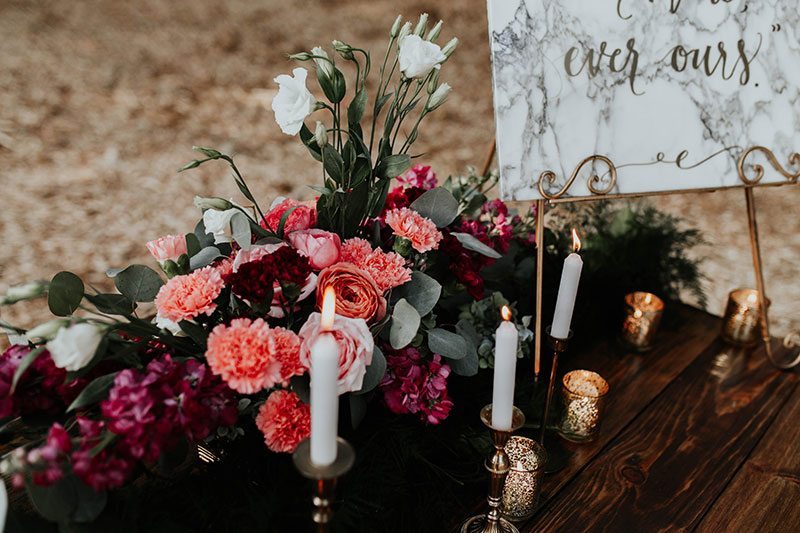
(218, 223)
(47, 330)
(73, 347)
(294, 102)
(418, 56)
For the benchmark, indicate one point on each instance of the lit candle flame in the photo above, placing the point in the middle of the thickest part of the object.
(506, 313)
(648, 298)
(576, 241)
(752, 298)
(328, 309)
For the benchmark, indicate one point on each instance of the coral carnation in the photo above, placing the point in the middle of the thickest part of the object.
(284, 420)
(388, 270)
(244, 355)
(410, 225)
(355, 251)
(357, 294)
(186, 297)
(287, 351)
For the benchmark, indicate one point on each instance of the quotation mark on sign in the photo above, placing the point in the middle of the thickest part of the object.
(776, 27)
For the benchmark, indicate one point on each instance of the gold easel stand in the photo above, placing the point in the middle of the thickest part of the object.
(602, 187)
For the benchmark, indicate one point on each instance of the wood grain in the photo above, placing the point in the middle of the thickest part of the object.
(667, 467)
(765, 493)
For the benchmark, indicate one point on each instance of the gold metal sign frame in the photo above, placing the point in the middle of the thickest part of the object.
(601, 190)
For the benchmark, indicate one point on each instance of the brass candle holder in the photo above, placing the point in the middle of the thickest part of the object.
(556, 454)
(741, 325)
(584, 394)
(643, 311)
(498, 466)
(324, 478)
(524, 480)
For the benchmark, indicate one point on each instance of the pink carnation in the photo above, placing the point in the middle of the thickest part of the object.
(287, 351)
(244, 355)
(388, 270)
(410, 225)
(355, 251)
(304, 215)
(186, 297)
(284, 420)
(355, 348)
(168, 247)
(419, 176)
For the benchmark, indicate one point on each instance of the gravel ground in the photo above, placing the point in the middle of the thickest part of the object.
(100, 102)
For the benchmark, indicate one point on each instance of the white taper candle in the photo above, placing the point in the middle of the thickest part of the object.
(505, 367)
(324, 387)
(567, 291)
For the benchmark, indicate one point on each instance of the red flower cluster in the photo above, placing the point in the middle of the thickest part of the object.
(412, 385)
(41, 388)
(152, 410)
(254, 281)
(107, 469)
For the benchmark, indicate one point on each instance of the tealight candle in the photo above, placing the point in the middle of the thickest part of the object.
(643, 311)
(324, 386)
(741, 324)
(584, 394)
(524, 480)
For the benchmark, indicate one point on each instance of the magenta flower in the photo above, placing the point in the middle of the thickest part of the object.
(416, 386)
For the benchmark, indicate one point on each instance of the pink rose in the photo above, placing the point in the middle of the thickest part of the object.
(303, 216)
(319, 246)
(355, 348)
(168, 247)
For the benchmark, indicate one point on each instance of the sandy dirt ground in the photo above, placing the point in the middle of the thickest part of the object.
(101, 101)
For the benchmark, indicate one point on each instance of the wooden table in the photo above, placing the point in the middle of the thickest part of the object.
(697, 436)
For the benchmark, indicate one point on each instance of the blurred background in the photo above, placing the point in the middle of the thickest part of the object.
(102, 100)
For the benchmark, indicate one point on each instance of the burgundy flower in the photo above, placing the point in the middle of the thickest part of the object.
(416, 386)
(107, 469)
(254, 280)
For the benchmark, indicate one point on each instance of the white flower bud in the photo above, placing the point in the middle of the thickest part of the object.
(322, 61)
(438, 97)
(396, 26)
(435, 31)
(46, 331)
(301, 56)
(27, 291)
(423, 22)
(344, 49)
(217, 204)
(433, 82)
(321, 134)
(404, 31)
(450, 46)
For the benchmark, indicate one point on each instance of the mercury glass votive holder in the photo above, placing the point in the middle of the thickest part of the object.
(741, 324)
(583, 393)
(524, 480)
(643, 311)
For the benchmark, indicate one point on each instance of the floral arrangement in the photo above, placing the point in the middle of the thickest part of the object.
(218, 340)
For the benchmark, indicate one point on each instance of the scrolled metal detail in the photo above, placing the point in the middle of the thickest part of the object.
(595, 183)
(758, 169)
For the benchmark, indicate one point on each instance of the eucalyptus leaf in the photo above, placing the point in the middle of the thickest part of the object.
(138, 283)
(375, 371)
(65, 293)
(437, 204)
(56, 502)
(194, 331)
(203, 237)
(422, 292)
(467, 366)
(405, 323)
(93, 392)
(447, 344)
(204, 257)
(192, 244)
(112, 304)
(90, 503)
(471, 243)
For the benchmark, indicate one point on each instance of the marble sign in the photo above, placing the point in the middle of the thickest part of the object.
(672, 91)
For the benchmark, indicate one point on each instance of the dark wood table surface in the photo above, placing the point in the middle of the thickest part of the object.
(696, 436)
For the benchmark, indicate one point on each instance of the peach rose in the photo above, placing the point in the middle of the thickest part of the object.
(357, 294)
(168, 247)
(355, 348)
(304, 215)
(319, 246)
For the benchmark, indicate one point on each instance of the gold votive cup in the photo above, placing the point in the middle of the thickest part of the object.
(583, 393)
(741, 324)
(643, 311)
(524, 480)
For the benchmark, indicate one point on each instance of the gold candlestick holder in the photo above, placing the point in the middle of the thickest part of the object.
(556, 454)
(324, 478)
(498, 466)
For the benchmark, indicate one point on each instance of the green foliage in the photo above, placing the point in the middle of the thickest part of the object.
(138, 283)
(65, 293)
(405, 324)
(438, 205)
